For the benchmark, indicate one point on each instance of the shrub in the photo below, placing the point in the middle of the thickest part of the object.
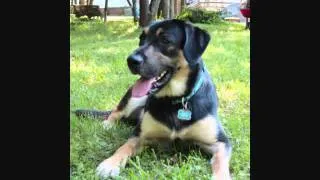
(74, 21)
(196, 15)
(79, 20)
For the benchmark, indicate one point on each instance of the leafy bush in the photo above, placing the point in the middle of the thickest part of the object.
(196, 15)
(76, 21)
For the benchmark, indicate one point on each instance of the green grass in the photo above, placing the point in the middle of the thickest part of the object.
(99, 78)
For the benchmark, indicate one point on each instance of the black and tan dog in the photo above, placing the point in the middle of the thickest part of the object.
(174, 98)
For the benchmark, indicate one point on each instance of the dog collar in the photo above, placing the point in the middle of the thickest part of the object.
(197, 86)
(185, 113)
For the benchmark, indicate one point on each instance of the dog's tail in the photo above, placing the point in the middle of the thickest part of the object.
(99, 115)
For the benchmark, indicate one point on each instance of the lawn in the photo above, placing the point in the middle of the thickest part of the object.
(99, 77)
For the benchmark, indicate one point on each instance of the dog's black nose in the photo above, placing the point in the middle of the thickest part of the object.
(135, 59)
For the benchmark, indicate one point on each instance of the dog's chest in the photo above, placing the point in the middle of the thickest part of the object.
(203, 130)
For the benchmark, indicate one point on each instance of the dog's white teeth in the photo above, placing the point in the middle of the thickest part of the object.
(163, 73)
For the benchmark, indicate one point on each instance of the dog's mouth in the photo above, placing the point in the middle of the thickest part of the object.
(145, 86)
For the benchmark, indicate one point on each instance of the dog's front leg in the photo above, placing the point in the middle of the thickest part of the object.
(111, 166)
(118, 112)
(126, 108)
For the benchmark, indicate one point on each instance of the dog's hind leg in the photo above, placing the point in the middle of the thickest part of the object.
(221, 152)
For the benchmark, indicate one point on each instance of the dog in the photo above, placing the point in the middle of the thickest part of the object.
(175, 98)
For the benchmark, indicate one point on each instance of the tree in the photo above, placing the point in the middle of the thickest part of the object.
(134, 10)
(171, 16)
(148, 13)
(82, 2)
(153, 10)
(165, 9)
(143, 21)
(105, 10)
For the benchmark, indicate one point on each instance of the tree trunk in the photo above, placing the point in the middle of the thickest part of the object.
(177, 7)
(134, 11)
(159, 13)
(143, 21)
(154, 6)
(82, 2)
(105, 10)
(165, 9)
(182, 5)
(91, 2)
(133, 7)
(171, 9)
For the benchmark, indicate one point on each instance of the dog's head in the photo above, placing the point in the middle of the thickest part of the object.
(164, 48)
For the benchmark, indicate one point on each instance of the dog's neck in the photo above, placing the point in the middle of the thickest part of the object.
(180, 83)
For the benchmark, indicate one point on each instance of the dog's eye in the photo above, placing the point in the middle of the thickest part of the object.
(165, 40)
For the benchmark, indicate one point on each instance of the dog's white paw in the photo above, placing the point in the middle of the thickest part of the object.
(105, 170)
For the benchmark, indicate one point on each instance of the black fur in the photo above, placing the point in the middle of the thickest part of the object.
(196, 41)
(124, 100)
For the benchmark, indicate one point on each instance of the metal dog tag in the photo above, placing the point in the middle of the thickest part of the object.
(184, 114)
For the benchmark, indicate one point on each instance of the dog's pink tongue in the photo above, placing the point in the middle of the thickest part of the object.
(142, 87)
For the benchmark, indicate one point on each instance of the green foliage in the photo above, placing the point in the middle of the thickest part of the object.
(196, 15)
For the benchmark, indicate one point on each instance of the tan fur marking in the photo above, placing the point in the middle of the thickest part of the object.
(119, 158)
(159, 31)
(150, 128)
(115, 115)
(203, 131)
(178, 83)
(146, 30)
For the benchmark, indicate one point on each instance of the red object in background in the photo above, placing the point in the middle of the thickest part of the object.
(245, 13)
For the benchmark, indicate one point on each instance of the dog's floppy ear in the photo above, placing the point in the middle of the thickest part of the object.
(196, 41)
